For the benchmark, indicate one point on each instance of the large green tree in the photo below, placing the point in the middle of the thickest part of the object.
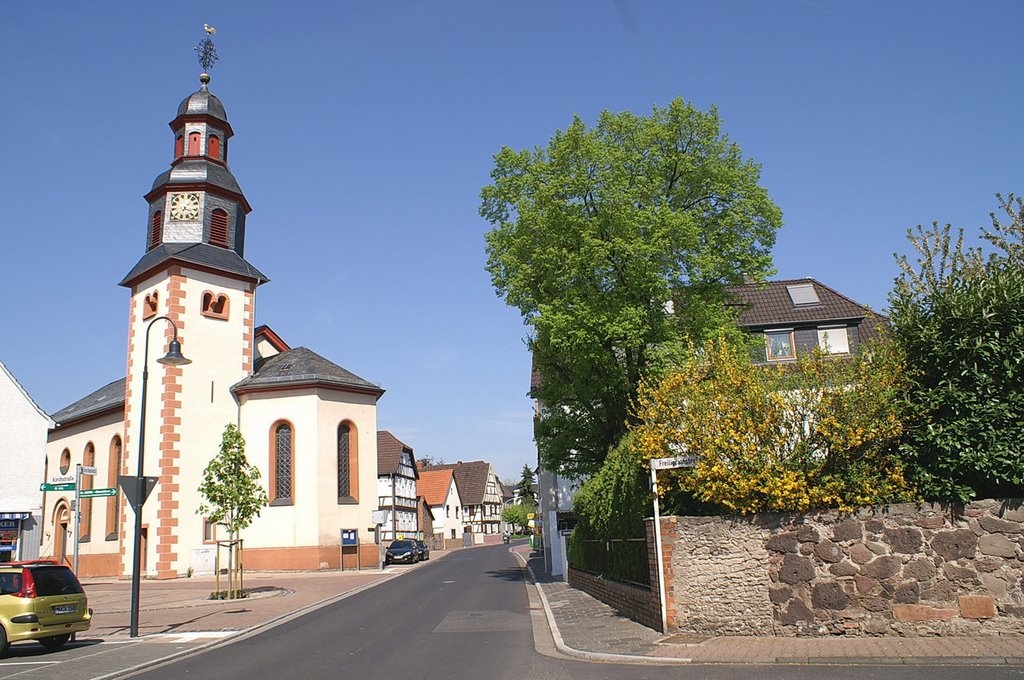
(958, 314)
(615, 242)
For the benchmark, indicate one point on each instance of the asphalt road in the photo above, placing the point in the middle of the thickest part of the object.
(466, 616)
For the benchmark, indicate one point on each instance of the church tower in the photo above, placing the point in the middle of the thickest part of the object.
(194, 273)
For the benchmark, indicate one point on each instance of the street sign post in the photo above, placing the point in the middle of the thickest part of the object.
(671, 463)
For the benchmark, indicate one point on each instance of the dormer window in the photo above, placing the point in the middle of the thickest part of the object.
(779, 345)
(213, 147)
(834, 340)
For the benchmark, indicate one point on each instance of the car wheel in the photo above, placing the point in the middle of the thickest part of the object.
(55, 642)
(4, 644)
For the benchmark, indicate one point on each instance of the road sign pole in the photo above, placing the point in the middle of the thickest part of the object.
(78, 511)
(657, 547)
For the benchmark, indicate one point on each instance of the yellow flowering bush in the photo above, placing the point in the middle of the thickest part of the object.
(818, 432)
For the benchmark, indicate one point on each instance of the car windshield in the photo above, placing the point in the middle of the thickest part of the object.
(55, 581)
(400, 545)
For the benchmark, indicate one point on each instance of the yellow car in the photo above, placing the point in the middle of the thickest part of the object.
(42, 601)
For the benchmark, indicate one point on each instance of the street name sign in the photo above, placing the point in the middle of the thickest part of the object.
(686, 461)
(98, 493)
(88, 470)
(65, 486)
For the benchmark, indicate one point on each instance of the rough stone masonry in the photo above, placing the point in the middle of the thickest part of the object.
(904, 570)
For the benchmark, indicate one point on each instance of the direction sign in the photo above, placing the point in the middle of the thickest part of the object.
(66, 486)
(97, 493)
(685, 461)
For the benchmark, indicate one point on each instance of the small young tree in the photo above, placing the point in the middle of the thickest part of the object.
(233, 496)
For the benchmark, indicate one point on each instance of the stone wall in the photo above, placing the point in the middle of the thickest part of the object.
(902, 570)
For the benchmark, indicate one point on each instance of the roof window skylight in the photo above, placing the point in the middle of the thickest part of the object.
(803, 294)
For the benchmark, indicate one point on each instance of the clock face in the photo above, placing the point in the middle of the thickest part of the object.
(184, 207)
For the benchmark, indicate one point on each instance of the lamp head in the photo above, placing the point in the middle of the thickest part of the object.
(173, 357)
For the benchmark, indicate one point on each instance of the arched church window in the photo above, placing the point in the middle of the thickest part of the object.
(219, 228)
(179, 146)
(149, 305)
(348, 464)
(193, 143)
(213, 147)
(282, 461)
(85, 518)
(156, 229)
(113, 504)
(215, 305)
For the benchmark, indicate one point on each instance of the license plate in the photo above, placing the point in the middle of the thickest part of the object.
(65, 609)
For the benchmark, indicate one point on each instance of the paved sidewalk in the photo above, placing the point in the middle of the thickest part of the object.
(585, 627)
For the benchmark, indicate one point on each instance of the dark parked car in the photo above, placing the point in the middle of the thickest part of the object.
(402, 551)
(424, 550)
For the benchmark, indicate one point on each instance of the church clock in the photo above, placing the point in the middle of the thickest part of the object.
(185, 207)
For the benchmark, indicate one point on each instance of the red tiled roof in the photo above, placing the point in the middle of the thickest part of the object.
(433, 485)
(471, 479)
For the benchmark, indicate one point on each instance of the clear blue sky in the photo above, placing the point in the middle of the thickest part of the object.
(365, 130)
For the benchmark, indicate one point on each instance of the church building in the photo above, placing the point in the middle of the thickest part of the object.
(310, 426)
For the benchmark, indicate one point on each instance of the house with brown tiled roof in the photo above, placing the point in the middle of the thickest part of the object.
(396, 488)
(480, 491)
(794, 316)
(441, 493)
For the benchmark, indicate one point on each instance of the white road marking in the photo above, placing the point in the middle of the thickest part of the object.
(191, 636)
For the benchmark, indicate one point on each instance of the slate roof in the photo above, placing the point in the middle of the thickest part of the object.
(389, 454)
(301, 366)
(769, 304)
(433, 485)
(104, 399)
(196, 170)
(202, 254)
(471, 479)
(202, 101)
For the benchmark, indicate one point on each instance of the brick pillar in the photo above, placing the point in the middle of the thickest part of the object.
(669, 535)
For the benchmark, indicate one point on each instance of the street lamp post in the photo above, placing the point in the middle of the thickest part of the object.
(173, 358)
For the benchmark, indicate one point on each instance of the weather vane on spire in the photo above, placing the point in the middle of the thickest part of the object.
(207, 53)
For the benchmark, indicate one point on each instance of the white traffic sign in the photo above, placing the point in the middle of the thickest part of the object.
(378, 516)
(686, 461)
(87, 470)
(62, 479)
